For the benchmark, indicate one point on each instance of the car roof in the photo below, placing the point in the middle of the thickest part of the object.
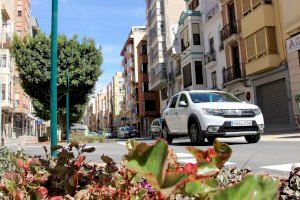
(199, 91)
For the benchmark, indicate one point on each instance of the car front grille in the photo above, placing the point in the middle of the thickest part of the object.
(238, 129)
(238, 114)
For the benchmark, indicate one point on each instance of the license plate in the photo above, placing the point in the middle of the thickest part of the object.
(241, 123)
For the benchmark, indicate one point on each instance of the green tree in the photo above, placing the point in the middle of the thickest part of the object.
(82, 59)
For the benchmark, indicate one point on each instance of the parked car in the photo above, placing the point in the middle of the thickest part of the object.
(131, 131)
(121, 133)
(93, 134)
(211, 114)
(107, 134)
(155, 128)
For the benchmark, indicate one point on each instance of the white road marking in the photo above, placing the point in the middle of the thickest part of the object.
(122, 143)
(193, 160)
(283, 167)
(183, 155)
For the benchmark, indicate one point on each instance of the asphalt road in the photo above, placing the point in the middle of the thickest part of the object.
(273, 155)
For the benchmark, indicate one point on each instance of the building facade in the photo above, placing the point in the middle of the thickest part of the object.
(291, 35)
(214, 57)
(130, 64)
(118, 98)
(265, 62)
(162, 18)
(148, 101)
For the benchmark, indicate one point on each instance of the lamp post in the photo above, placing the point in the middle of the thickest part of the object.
(68, 110)
(53, 86)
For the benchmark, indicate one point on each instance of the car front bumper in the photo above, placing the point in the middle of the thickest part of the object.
(226, 130)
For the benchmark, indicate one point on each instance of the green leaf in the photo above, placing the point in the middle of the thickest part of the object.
(151, 161)
(253, 187)
(223, 153)
(207, 169)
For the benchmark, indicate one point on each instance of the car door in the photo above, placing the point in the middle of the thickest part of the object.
(170, 114)
(182, 114)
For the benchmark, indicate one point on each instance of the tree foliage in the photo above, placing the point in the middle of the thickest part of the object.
(82, 59)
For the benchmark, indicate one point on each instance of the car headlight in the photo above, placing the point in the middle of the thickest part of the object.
(214, 112)
(257, 111)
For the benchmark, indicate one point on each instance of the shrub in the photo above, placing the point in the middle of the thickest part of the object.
(148, 172)
(77, 137)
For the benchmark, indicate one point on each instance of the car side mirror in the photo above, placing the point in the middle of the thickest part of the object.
(183, 104)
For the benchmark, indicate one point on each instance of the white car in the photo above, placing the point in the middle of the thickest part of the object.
(202, 114)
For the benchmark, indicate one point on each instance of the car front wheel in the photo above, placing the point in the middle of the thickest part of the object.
(166, 135)
(253, 138)
(195, 133)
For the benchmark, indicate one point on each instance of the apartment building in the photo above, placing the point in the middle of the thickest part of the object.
(148, 101)
(162, 17)
(265, 61)
(6, 68)
(214, 56)
(291, 35)
(100, 110)
(118, 97)
(192, 47)
(130, 64)
(109, 106)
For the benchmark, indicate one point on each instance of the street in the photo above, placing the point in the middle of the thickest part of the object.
(274, 154)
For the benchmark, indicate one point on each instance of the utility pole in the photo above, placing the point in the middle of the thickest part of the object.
(53, 86)
(68, 110)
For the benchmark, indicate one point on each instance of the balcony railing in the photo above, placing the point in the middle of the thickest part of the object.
(234, 72)
(158, 76)
(229, 29)
(171, 76)
(178, 71)
(210, 57)
(212, 12)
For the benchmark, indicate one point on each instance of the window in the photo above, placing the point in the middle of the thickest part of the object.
(164, 94)
(204, 97)
(196, 34)
(150, 105)
(183, 97)
(173, 102)
(187, 79)
(261, 43)
(214, 80)
(3, 60)
(145, 87)
(250, 5)
(185, 38)
(19, 13)
(212, 45)
(143, 50)
(199, 72)
(144, 68)
(3, 91)
(193, 5)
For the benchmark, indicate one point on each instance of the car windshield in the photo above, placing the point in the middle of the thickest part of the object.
(206, 97)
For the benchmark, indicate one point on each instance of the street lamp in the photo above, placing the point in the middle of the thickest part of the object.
(53, 86)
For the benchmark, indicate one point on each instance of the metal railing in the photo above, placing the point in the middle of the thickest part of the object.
(212, 12)
(158, 77)
(178, 71)
(234, 72)
(229, 29)
(209, 57)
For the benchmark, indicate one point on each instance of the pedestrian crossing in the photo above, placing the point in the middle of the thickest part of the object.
(189, 158)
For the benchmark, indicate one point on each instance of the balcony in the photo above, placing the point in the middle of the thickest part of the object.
(234, 72)
(261, 16)
(212, 12)
(210, 58)
(178, 72)
(171, 76)
(158, 79)
(230, 32)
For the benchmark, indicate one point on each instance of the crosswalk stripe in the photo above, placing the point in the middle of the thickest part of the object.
(183, 155)
(283, 167)
(193, 160)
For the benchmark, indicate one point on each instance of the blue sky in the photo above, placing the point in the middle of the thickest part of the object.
(107, 21)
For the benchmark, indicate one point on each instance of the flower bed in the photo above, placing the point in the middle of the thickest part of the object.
(148, 172)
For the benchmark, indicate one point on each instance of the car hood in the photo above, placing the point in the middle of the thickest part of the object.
(226, 105)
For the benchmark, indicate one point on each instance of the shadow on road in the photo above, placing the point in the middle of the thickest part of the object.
(205, 144)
